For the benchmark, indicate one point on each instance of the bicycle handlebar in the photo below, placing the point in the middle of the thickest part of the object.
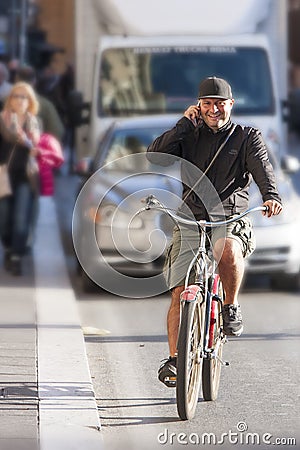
(153, 203)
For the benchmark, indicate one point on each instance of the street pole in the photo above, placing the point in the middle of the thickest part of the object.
(23, 21)
(13, 22)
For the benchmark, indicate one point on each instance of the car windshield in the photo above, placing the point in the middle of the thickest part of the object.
(166, 79)
(126, 142)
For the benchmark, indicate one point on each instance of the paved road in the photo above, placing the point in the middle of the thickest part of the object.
(259, 389)
(126, 339)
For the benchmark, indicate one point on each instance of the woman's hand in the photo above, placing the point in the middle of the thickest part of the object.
(22, 138)
(34, 151)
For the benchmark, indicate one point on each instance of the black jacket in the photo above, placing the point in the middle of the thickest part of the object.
(18, 154)
(244, 156)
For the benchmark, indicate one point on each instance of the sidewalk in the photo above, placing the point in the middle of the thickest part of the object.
(46, 395)
(18, 373)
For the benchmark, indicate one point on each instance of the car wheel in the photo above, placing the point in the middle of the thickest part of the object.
(78, 268)
(289, 283)
(87, 283)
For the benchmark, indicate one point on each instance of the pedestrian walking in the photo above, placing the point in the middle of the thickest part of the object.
(19, 117)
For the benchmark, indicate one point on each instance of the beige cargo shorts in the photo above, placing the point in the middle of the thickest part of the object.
(185, 242)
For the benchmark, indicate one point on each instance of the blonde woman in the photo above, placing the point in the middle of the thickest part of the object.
(18, 117)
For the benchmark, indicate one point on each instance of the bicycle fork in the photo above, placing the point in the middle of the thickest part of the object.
(212, 345)
(194, 293)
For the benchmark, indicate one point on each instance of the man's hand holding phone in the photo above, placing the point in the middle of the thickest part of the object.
(193, 113)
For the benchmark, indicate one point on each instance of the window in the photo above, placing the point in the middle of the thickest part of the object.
(130, 142)
(155, 80)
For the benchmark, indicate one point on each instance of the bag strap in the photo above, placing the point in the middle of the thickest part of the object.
(211, 163)
(11, 155)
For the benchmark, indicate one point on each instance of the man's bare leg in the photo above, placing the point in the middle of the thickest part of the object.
(231, 269)
(173, 319)
(228, 253)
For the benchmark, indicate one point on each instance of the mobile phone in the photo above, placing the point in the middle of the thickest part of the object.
(199, 118)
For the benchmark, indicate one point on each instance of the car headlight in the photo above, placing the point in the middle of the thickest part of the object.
(111, 216)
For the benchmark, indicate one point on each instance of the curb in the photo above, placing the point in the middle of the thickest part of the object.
(68, 414)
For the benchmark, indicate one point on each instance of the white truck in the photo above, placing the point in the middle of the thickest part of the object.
(137, 57)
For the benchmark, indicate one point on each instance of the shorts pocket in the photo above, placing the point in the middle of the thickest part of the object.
(243, 229)
(168, 263)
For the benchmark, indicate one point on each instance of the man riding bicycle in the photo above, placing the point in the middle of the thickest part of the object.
(229, 155)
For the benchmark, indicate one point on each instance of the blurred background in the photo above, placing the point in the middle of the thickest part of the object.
(118, 73)
(42, 31)
(104, 63)
(59, 38)
(109, 68)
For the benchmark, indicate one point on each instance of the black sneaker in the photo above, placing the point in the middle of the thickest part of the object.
(7, 260)
(16, 266)
(167, 372)
(232, 320)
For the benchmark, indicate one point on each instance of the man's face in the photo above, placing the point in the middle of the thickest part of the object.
(215, 111)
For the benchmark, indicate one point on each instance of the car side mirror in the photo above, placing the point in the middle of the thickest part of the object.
(293, 110)
(78, 110)
(83, 168)
(290, 164)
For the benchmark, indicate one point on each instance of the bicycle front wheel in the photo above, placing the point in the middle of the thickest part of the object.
(189, 360)
(211, 371)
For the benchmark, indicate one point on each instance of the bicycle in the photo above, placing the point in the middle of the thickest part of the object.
(201, 338)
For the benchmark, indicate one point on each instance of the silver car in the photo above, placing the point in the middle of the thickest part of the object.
(107, 233)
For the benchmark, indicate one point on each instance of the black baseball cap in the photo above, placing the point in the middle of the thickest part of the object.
(215, 88)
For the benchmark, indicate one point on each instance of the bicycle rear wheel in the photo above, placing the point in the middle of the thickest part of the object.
(211, 370)
(189, 360)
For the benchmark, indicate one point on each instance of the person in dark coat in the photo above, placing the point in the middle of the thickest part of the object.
(229, 156)
(19, 117)
(50, 120)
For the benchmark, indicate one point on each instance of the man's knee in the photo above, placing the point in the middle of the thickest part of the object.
(228, 251)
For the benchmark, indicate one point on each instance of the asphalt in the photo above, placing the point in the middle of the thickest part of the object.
(47, 400)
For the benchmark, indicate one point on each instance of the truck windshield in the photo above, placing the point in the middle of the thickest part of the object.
(145, 80)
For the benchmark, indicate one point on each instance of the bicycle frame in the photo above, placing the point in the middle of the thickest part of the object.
(205, 276)
(205, 279)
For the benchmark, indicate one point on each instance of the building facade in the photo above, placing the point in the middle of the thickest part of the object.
(42, 30)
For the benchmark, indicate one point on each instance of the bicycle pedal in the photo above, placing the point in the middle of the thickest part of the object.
(170, 381)
(224, 363)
